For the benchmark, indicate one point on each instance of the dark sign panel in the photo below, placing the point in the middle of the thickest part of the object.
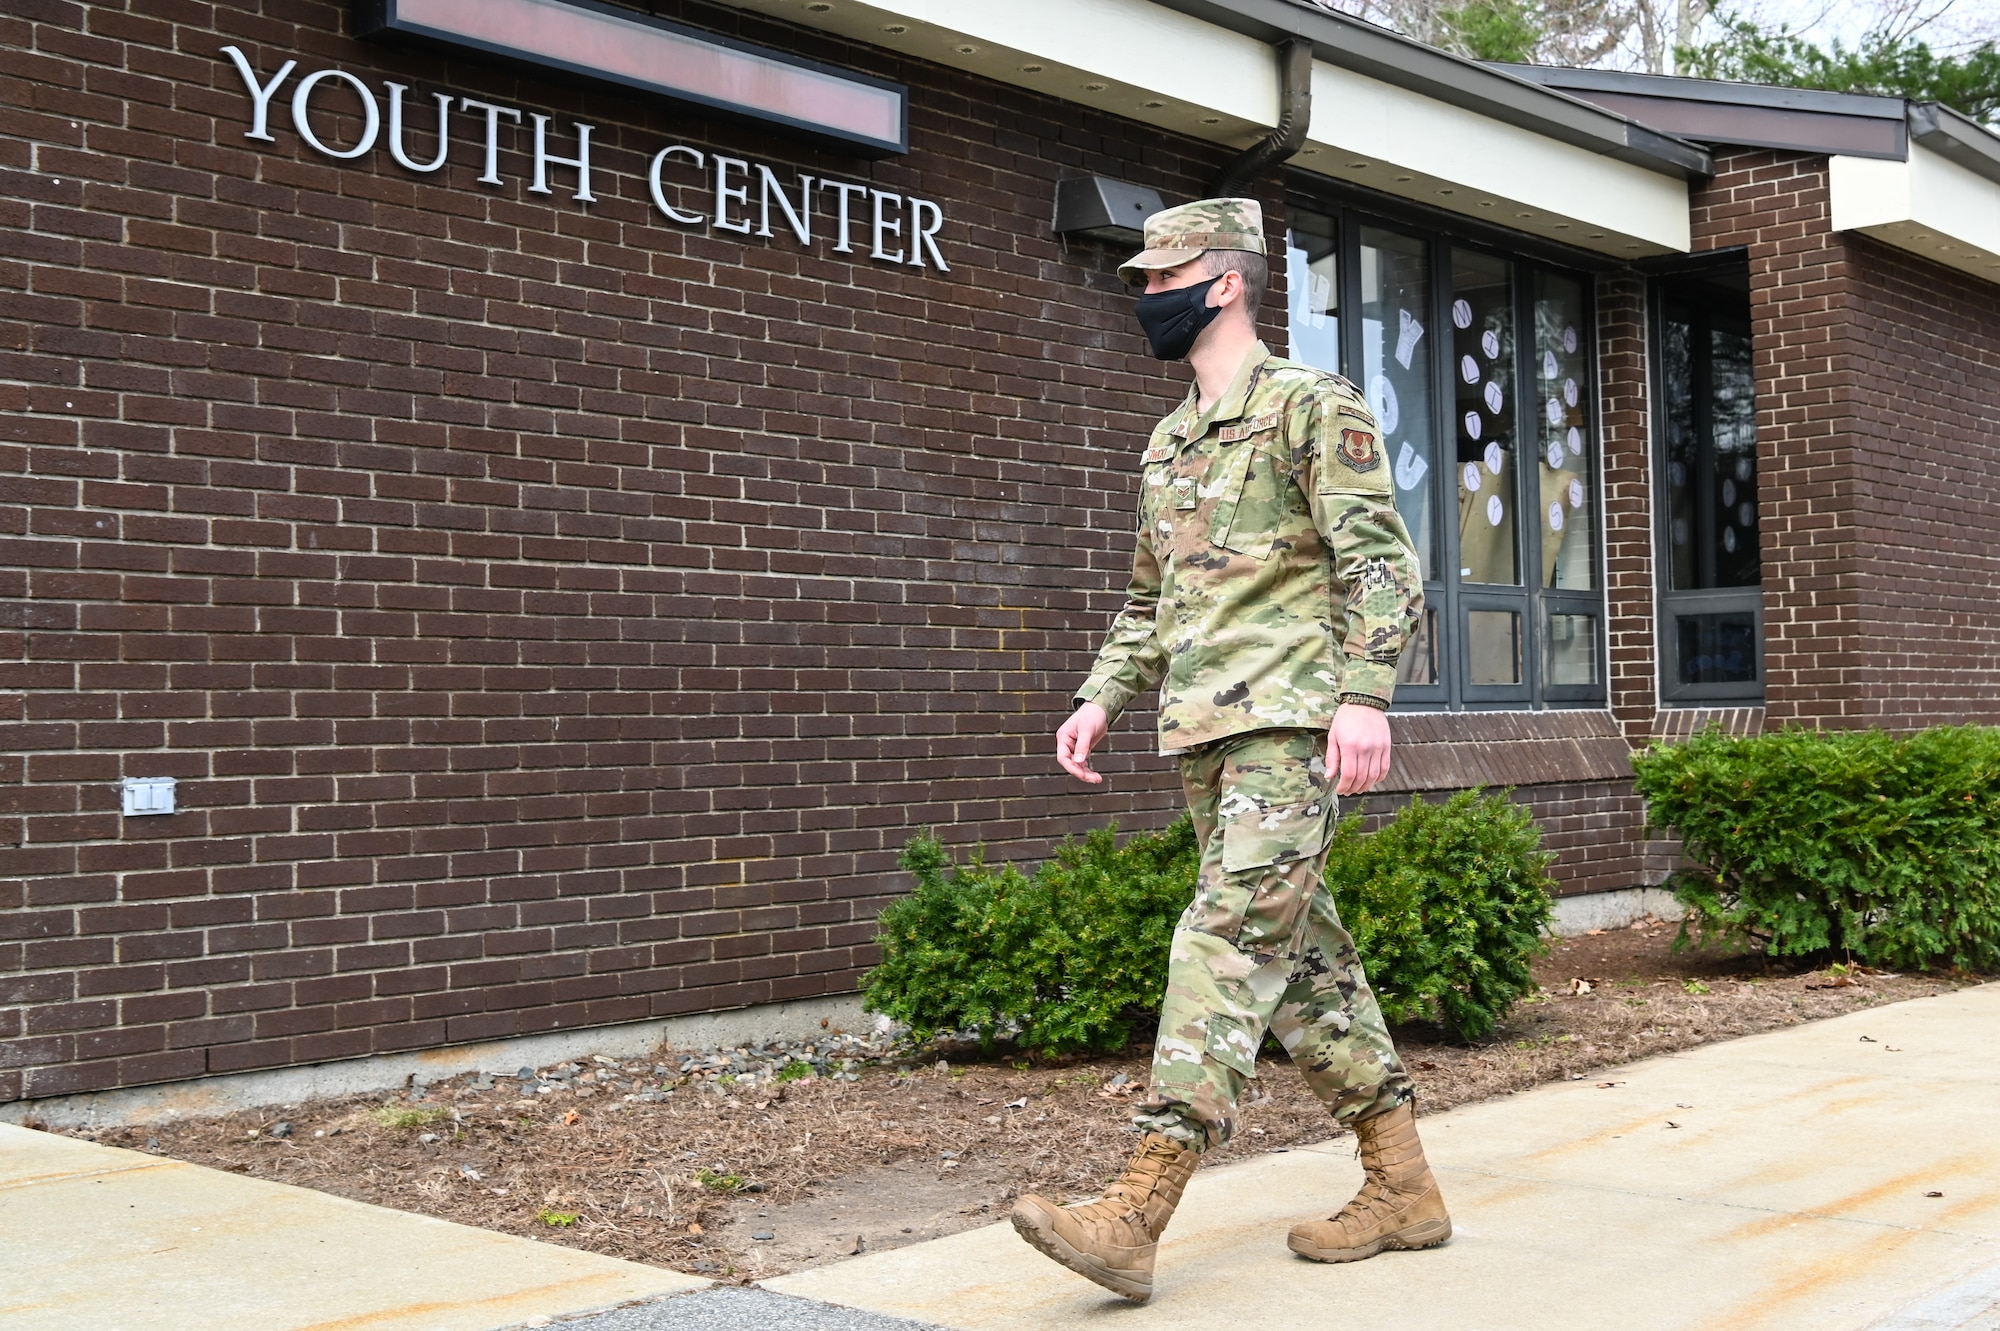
(602, 42)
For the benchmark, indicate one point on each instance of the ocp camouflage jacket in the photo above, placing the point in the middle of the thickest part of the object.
(1273, 577)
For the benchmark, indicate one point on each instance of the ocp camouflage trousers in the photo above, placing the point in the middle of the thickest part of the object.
(1261, 947)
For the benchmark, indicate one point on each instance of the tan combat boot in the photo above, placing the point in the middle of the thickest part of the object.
(1112, 1241)
(1399, 1205)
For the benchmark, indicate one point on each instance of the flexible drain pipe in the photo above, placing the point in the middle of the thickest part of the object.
(1295, 67)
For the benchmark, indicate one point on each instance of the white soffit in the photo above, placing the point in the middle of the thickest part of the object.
(1928, 205)
(1141, 60)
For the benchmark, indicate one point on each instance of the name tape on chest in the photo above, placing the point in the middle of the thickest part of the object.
(1157, 453)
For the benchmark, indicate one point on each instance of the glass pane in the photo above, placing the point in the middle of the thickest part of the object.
(1493, 646)
(1482, 316)
(1677, 390)
(1396, 368)
(1312, 284)
(1710, 414)
(1420, 657)
(1735, 431)
(1562, 423)
(1572, 649)
(1717, 649)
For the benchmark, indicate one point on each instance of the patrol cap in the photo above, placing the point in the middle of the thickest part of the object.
(1176, 235)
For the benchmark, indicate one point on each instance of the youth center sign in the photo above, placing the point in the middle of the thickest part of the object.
(733, 194)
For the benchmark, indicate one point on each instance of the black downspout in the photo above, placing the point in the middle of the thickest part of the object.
(1295, 68)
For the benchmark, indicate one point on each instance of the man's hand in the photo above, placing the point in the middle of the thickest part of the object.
(1084, 731)
(1357, 748)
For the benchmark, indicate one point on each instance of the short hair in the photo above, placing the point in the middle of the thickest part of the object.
(1253, 268)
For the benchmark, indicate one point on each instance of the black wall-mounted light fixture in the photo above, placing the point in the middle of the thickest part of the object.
(1105, 209)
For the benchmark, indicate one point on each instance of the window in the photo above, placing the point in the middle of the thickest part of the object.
(1711, 595)
(1478, 366)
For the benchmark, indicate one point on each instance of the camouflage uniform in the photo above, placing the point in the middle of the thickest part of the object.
(1273, 580)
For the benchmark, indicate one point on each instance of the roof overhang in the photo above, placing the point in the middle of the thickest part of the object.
(1943, 203)
(1390, 114)
(1743, 114)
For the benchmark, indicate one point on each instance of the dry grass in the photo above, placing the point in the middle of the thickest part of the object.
(827, 1167)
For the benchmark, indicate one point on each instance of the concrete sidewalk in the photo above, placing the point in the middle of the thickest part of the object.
(1777, 1183)
(98, 1239)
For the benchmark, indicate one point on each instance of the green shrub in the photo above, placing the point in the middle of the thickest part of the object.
(1882, 847)
(1447, 903)
(1068, 959)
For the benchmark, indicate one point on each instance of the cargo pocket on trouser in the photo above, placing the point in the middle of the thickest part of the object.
(1272, 857)
(1232, 1044)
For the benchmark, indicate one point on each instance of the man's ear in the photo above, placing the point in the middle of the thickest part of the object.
(1228, 291)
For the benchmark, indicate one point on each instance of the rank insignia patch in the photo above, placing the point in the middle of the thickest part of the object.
(1357, 450)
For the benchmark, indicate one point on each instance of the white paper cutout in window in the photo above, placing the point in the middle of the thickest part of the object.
(1493, 399)
(1680, 531)
(1494, 458)
(1469, 368)
(1746, 514)
(1728, 493)
(1489, 342)
(1549, 370)
(1495, 511)
(1575, 442)
(1556, 516)
(1569, 392)
(1472, 424)
(1472, 478)
(1461, 313)
(1382, 401)
(1406, 341)
(1569, 340)
(1575, 493)
(1555, 411)
(1555, 454)
(1729, 539)
(1411, 468)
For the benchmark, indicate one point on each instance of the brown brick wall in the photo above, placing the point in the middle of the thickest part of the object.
(554, 617)
(1879, 489)
(1925, 364)
(1776, 204)
(1625, 407)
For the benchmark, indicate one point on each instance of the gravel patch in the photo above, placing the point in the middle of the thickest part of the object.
(727, 1309)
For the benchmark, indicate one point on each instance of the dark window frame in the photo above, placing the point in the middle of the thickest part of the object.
(1671, 604)
(1452, 599)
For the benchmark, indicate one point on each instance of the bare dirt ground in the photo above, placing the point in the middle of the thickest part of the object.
(748, 1178)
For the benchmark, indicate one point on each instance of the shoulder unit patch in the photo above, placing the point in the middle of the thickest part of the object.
(1357, 449)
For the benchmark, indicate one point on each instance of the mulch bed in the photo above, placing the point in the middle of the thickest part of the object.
(748, 1178)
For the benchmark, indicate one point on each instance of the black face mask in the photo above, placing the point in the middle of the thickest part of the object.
(1174, 319)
